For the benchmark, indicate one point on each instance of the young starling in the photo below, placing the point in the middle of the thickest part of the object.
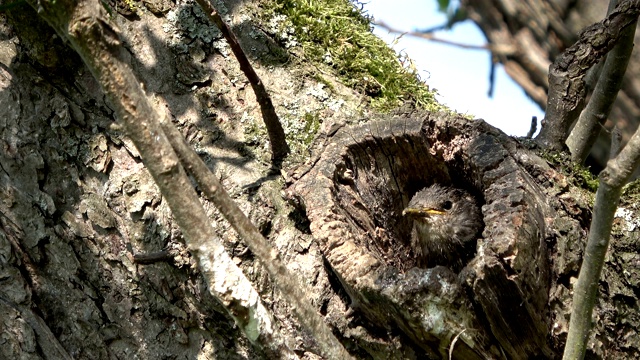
(446, 221)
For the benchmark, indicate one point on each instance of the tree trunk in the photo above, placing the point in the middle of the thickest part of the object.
(76, 206)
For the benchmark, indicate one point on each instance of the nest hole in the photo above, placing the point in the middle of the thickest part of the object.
(375, 180)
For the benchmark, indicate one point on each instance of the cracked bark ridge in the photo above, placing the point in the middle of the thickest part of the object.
(354, 196)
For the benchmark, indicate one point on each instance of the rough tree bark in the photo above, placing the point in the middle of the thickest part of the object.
(76, 205)
(354, 196)
(512, 300)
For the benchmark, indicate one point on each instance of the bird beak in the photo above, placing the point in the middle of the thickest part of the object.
(421, 212)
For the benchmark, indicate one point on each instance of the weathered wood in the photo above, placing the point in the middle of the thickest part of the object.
(354, 196)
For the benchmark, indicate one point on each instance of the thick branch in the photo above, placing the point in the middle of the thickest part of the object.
(84, 24)
(566, 75)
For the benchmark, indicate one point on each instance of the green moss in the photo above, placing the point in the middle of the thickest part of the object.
(338, 34)
(131, 5)
(319, 78)
(311, 126)
(579, 175)
(632, 190)
(586, 178)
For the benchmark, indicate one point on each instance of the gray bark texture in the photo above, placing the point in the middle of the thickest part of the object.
(534, 33)
(77, 207)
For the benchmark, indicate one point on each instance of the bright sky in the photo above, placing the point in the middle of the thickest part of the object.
(461, 76)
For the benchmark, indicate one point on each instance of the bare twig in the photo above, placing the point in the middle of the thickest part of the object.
(612, 179)
(492, 76)
(502, 50)
(533, 127)
(153, 257)
(290, 285)
(87, 28)
(592, 119)
(279, 147)
(566, 74)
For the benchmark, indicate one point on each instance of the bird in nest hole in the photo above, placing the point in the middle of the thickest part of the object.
(446, 223)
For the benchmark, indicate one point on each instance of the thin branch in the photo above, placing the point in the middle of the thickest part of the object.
(616, 142)
(592, 119)
(593, 74)
(496, 49)
(289, 284)
(279, 147)
(434, 29)
(615, 175)
(533, 127)
(566, 75)
(591, 79)
(612, 179)
(87, 28)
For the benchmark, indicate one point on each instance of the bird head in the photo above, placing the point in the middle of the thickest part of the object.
(434, 201)
(446, 221)
(443, 212)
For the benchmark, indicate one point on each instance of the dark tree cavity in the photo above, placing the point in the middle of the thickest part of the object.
(499, 304)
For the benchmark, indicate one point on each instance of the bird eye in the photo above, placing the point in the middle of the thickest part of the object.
(447, 205)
